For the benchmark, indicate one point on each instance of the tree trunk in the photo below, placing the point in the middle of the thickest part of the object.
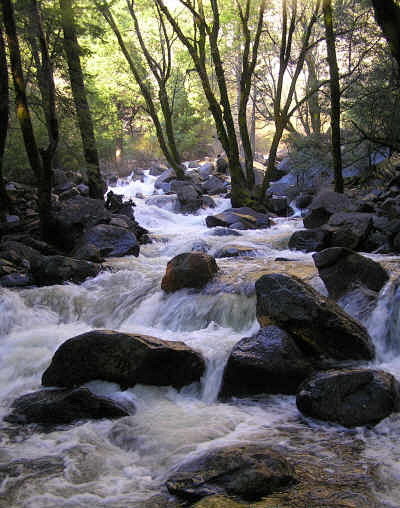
(314, 107)
(335, 95)
(4, 112)
(387, 15)
(72, 51)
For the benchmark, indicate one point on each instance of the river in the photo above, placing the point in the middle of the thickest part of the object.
(123, 463)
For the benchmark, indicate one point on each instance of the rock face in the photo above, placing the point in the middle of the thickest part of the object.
(53, 407)
(268, 362)
(317, 324)
(239, 218)
(123, 358)
(350, 397)
(113, 241)
(324, 205)
(188, 270)
(309, 240)
(248, 472)
(343, 270)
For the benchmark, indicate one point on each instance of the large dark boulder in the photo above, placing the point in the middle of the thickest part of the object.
(324, 205)
(317, 324)
(350, 397)
(309, 240)
(213, 185)
(249, 472)
(188, 196)
(239, 218)
(188, 270)
(278, 205)
(74, 216)
(343, 270)
(268, 362)
(54, 407)
(59, 269)
(123, 358)
(112, 241)
(349, 229)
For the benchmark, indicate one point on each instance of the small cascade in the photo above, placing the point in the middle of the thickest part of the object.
(384, 323)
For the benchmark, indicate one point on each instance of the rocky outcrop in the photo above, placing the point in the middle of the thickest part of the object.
(316, 323)
(239, 218)
(343, 270)
(350, 397)
(55, 407)
(309, 240)
(110, 241)
(324, 205)
(268, 362)
(249, 472)
(123, 358)
(188, 270)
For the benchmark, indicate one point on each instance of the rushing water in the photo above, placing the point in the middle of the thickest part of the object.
(123, 463)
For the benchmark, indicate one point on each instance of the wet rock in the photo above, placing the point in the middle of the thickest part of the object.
(200, 246)
(16, 280)
(343, 270)
(167, 202)
(324, 205)
(234, 251)
(205, 170)
(83, 189)
(188, 196)
(213, 185)
(303, 200)
(89, 252)
(165, 177)
(43, 466)
(74, 216)
(207, 202)
(156, 171)
(221, 231)
(268, 362)
(235, 218)
(317, 324)
(123, 358)
(219, 502)
(188, 270)
(59, 269)
(249, 472)
(111, 241)
(309, 240)
(350, 397)
(54, 407)
(278, 205)
(222, 165)
(349, 229)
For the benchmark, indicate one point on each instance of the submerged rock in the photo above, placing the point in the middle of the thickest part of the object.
(350, 397)
(188, 270)
(268, 362)
(123, 358)
(53, 407)
(318, 325)
(249, 472)
(239, 218)
(343, 270)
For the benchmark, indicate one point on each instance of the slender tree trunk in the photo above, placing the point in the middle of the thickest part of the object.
(253, 121)
(314, 107)
(4, 112)
(40, 161)
(387, 15)
(335, 95)
(72, 51)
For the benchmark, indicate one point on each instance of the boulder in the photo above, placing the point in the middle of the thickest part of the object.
(316, 323)
(54, 407)
(349, 229)
(249, 472)
(123, 358)
(234, 251)
(239, 218)
(205, 170)
(222, 165)
(324, 205)
(111, 241)
(268, 362)
(278, 205)
(89, 252)
(303, 200)
(156, 171)
(207, 202)
(59, 269)
(220, 231)
(309, 240)
(343, 270)
(188, 196)
(189, 270)
(213, 185)
(165, 201)
(350, 397)
(165, 177)
(74, 216)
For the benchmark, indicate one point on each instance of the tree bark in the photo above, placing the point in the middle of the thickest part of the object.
(4, 113)
(387, 15)
(314, 107)
(72, 52)
(335, 95)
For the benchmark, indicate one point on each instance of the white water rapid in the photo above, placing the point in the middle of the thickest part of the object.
(123, 463)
